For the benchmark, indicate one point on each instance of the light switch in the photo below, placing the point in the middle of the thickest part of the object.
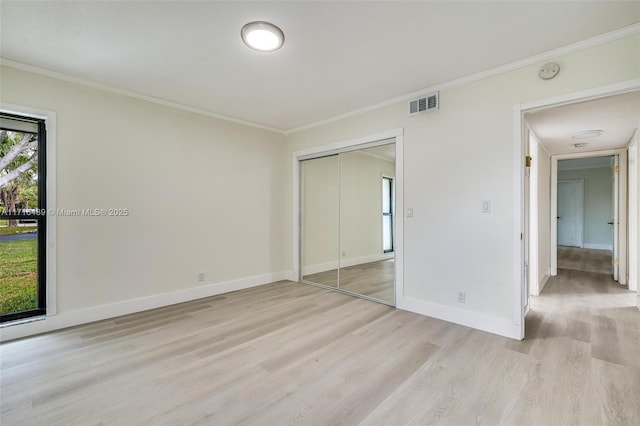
(486, 206)
(410, 212)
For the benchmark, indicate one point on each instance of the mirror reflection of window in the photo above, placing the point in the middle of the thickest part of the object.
(387, 214)
(347, 212)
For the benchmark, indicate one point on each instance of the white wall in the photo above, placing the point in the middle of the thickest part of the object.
(361, 206)
(544, 216)
(457, 157)
(598, 205)
(634, 209)
(321, 214)
(204, 195)
(342, 210)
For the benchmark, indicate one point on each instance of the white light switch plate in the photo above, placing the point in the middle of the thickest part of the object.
(486, 206)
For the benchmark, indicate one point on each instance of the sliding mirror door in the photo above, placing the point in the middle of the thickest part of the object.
(366, 222)
(320, 197)
(348, 222)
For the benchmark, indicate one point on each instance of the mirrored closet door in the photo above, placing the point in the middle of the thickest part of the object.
(347, 222)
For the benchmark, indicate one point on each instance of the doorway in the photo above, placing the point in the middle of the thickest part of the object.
(591, 114)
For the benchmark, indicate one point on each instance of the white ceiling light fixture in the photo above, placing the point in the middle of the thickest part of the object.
(586, 134)
(262, 36)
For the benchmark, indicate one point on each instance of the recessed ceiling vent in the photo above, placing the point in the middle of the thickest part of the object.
(428, 103)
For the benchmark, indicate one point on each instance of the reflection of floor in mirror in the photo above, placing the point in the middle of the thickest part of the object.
(373, 279)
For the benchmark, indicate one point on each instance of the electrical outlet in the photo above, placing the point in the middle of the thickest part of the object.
(462, 297)
(201, 276)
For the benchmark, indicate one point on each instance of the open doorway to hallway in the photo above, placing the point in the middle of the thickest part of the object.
(581, 248)
(586, 214)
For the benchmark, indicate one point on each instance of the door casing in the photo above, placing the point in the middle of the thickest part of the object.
(520, 203)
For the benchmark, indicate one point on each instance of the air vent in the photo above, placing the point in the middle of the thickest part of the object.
(427, 103)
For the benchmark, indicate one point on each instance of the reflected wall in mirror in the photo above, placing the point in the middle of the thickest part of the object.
(320, 197)
(367, 221)
(348, 221)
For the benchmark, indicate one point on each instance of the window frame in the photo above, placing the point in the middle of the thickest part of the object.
(46, 263)
(389, 213)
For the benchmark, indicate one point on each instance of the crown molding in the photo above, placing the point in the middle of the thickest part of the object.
(129, 93)
(531, 60)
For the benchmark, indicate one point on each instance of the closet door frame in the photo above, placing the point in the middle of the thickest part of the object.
(384, 138)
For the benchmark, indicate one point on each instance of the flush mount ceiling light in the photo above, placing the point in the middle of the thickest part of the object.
(586, 134)
(262, 36)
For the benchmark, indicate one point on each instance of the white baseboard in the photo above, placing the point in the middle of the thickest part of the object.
(322, 267)
(501, 326)
(291, 276)
(595, 246)
(101, 312)
(542, 283)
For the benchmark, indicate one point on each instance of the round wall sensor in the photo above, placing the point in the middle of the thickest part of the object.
(549, 70)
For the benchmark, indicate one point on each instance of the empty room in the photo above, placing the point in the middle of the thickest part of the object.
(270, 213)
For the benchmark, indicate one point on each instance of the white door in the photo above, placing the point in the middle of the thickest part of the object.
(570, 212)
(616, 218)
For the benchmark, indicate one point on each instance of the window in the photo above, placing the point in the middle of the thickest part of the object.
(23, 219)
(387, 214)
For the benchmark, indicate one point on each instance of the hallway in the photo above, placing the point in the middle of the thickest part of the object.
(584, 329)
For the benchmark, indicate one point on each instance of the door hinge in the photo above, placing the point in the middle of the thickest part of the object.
(527, 161)
(617, 169)
(616, 262)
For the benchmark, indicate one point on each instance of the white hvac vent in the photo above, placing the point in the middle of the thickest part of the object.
(427, 103)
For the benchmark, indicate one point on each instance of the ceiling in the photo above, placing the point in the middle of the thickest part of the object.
(338, 56)
(617, 116)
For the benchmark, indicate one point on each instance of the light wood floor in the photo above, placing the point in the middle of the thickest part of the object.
(287, 353)
(373, 279)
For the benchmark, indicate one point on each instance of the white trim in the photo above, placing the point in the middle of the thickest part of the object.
(533, 216)
(49, 118)
(531, 60)
(597, 246)
(112, 310)
(399, 218)
(518, 222)
(634, 211)
(518, 180)
(542, 283)
(129, 93)
(298, 156)
(345, 263)
(633, 140)
(583, 95)
(476, 320)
